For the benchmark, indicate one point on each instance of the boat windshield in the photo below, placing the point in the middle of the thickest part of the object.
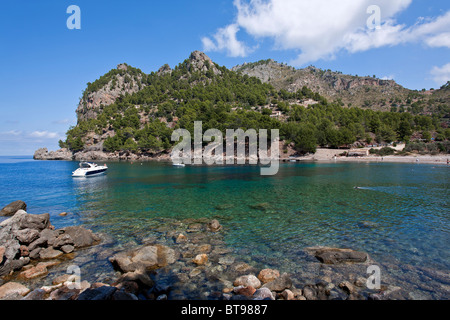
(85, 165)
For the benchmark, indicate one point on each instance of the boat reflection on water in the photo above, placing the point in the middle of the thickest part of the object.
(90, 187)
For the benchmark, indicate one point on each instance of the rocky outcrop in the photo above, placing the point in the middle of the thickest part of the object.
(29, 238)
(198, 61)
(44, 154)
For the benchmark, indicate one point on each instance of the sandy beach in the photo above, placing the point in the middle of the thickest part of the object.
(327, 155)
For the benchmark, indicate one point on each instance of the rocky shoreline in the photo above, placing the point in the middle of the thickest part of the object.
(67, 155)
(179, 260)
(329, 156)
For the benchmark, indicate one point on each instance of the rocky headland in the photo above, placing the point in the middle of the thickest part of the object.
(98, 155)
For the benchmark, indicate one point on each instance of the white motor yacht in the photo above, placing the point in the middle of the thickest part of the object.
(178, 164)
(88, 169)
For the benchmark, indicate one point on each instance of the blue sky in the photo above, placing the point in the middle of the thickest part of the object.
(45, 66)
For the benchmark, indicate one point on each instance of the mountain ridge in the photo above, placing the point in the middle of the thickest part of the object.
(128, 111)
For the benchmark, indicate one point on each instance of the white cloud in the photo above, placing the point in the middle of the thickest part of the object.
(431, 32)
(44, 135)
(18, 135)
(320, 29)
(389, 77)
(13, 133)
(440, 40)
(441, 74)
(225, 40)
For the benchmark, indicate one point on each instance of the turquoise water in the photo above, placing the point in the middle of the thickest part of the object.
(400, 213)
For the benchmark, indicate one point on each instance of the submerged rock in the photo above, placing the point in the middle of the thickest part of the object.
(329, 255)
(261, 206)
(214, 226)
(200, 259)
(280, 283)
(144, 258)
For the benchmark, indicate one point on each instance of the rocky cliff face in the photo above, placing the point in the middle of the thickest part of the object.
(118, 84)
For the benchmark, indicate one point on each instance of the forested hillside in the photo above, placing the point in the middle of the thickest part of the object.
(127, 110)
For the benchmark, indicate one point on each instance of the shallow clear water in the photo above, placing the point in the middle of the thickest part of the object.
(400, 213)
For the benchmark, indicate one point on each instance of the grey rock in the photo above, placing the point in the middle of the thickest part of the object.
(35, 221)
(13, 223)
(27, 236)
(10, 257)
(63, 240)
(34, 254)
(47, 237)
(40, 242)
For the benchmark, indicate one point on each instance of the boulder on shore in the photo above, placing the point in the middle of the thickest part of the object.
(25, 237)
(12, 208)
(13, 288)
